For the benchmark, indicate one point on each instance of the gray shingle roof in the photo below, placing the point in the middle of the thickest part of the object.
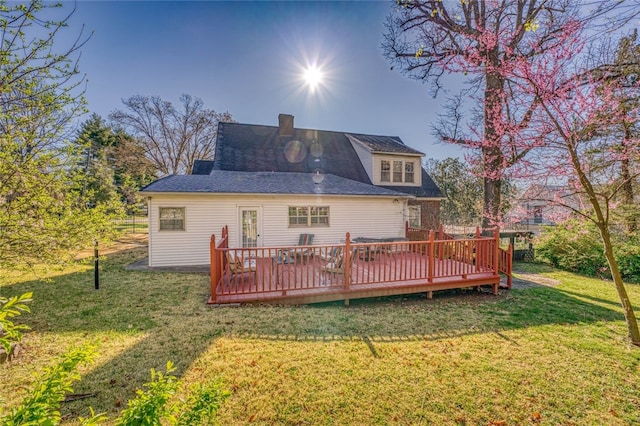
(202, 167)
(383, 144)
(230, 182)
(258, 148)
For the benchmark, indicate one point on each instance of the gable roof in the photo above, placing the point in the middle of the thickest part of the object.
(230, 182)
(259, 148)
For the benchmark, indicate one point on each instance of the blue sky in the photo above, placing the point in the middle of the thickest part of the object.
(248, 58)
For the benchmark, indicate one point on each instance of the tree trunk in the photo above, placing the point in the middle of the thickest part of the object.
(492, 158)
(491, 210)
(632, 322)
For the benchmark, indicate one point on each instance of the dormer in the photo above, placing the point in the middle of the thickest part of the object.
(387, 160)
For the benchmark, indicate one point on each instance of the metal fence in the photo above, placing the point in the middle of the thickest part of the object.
(133, 224)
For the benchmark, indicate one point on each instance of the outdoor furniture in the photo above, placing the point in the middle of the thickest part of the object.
(302, 253)
(279, 263)
(335, 263)
(239, 265)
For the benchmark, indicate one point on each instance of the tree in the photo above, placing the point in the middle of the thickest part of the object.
(627, 66)
(172, 138)
(462, 189)
(113, 163)
(41, 92)
(578, 107)
(97, 185)
(484, 41)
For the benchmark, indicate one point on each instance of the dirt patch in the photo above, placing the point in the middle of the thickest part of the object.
(526, 280)
(125, 242)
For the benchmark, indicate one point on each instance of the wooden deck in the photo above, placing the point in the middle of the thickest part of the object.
(310, 274)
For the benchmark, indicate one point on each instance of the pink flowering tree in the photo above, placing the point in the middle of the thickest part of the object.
(578, 108)
(485, 41)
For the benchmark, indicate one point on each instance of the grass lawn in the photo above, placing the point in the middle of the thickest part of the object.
(541, 354)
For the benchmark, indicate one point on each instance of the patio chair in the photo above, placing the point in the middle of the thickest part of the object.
(240, 265)
(302, 253)
(335, 263)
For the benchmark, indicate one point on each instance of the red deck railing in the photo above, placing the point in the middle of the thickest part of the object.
(290, 270)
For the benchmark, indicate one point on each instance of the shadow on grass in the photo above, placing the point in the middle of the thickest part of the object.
(148, 318)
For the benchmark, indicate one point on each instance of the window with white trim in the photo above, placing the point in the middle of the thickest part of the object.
(397, 171)
(309, 216)
(408, 171)
(415, 216)
(171, 219)
(385, 171)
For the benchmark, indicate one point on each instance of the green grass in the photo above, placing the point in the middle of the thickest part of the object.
(541, 355)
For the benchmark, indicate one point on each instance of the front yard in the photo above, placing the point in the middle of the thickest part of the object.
(544, 354)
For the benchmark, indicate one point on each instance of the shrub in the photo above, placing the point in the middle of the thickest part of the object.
(202, 404)
(42, 404)
(576, 246)
(150, 405)
(9, 308)
(153, 405)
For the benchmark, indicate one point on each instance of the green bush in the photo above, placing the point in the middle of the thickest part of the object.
(576, 246)
(150, 405)
(153, 406)
(42, 404)
(9, 308)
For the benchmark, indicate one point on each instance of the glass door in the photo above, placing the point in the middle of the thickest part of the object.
(250, 227)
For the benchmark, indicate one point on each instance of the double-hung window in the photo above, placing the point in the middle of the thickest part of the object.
(309, 216)
(171, 218)
(415, 216)
(397, 171)
(385, 171)
(408, 172)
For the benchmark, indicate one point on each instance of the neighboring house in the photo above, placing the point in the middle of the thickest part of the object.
(544, 205)
(270, 184)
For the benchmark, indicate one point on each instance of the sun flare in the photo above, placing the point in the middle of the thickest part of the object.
(313, 77)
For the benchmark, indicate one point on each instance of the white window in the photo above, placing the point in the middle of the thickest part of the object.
(408, 171)
(308, 216)
(385, 171)
(172, 219)
(415, 216)
(397, 171)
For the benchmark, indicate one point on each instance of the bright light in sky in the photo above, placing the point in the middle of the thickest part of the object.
(313, 77)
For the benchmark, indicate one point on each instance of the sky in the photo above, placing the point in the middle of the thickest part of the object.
(248, 58)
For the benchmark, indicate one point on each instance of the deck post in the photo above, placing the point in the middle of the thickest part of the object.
(509, 266)
(213, 269)
(406, 229)
(432, 253)
(496, 251)
(347, 263)
(476, 248)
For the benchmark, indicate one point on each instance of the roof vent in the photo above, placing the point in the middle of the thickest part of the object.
(285, 122)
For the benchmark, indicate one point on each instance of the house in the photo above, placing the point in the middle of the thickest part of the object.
(543, 205)
(270, 184)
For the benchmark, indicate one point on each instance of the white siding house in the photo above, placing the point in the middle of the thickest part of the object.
(206, 214)
(270, 184)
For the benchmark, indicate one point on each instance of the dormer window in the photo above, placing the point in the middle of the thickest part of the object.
(402, 172)
(397, 171)
(394, 170)
(408, 171)
(385, 171)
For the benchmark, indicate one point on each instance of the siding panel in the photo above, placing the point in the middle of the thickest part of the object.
(206, 214)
